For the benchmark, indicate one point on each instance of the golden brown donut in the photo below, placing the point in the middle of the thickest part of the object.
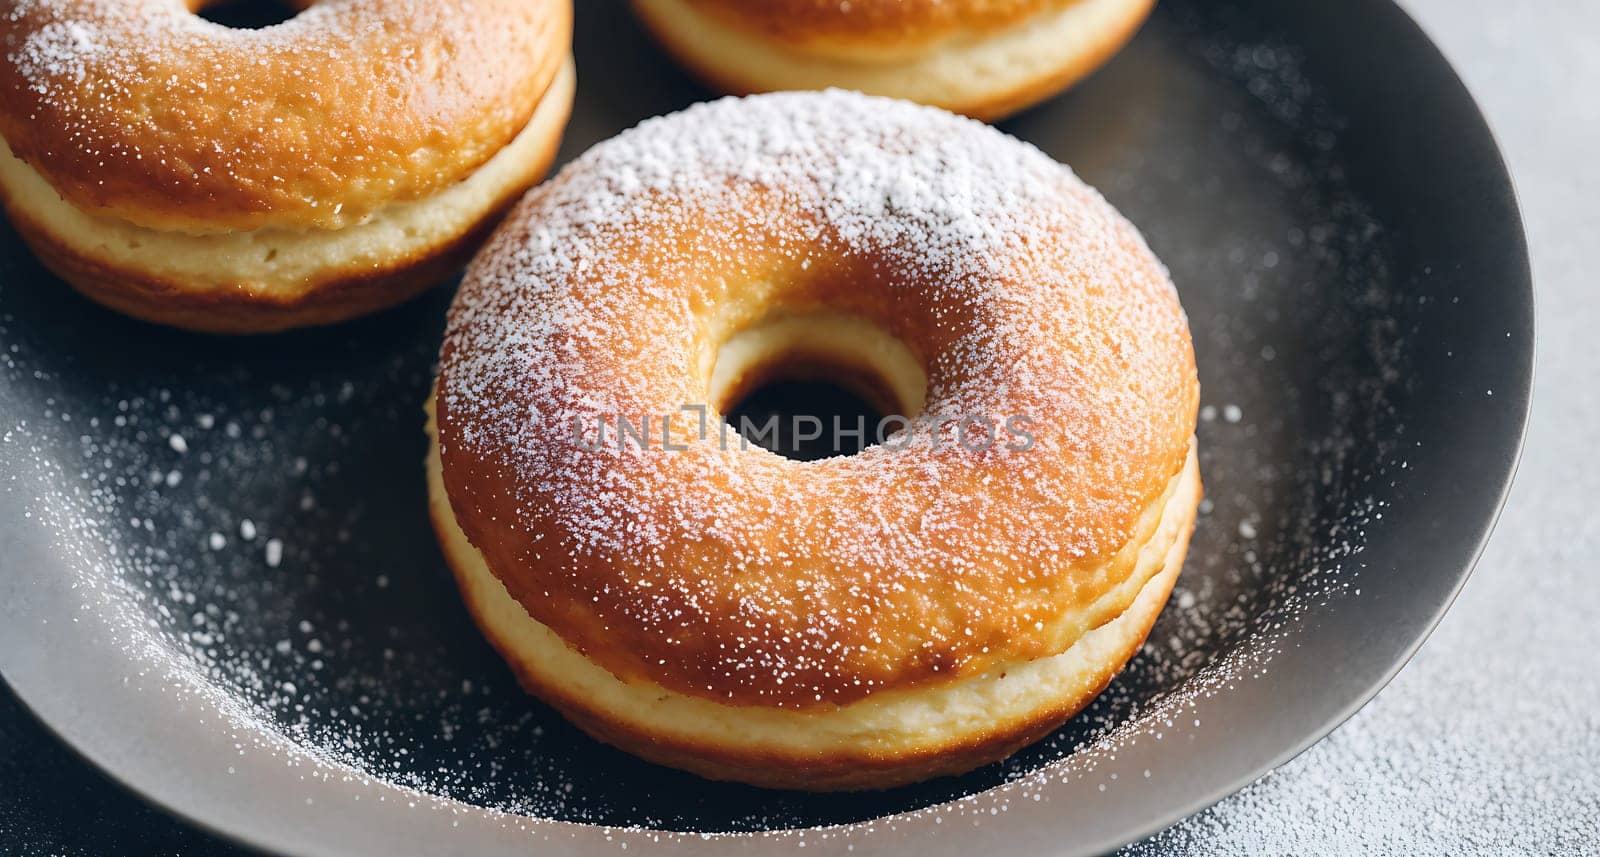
(252, 180)
(984, 58)
(917, 609)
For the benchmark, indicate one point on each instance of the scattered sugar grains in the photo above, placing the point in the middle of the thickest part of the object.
(361, 664)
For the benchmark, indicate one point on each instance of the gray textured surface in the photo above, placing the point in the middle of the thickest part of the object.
(1489, 741)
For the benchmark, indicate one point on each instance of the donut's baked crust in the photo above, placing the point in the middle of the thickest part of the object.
(987, 60)
(909, 737)
(861, 621)
(225, 283)
(613, 287)
(138, 110)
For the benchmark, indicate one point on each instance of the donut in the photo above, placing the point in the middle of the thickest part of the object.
(985, 58)
(933, 603)
(243, 181)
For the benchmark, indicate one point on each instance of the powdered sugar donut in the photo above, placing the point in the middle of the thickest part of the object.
(920, 608)
(247, 180)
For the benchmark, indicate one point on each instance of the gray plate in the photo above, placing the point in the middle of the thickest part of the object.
(1348, 247)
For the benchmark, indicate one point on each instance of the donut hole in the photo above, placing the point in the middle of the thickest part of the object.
(248, 14)
(778, 416)
(816, 386)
